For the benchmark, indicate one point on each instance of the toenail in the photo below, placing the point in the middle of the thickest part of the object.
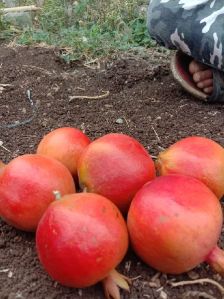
(196, 77)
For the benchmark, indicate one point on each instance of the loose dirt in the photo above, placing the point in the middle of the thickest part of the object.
(133, 94)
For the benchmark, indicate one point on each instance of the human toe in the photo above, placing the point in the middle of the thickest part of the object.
(204, 84)
(202, 75)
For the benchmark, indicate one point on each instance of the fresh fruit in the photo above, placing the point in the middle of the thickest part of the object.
(80, 239)
(27, 184)
(64, 144)
(174, 223)
(115, 166)
(195, 156)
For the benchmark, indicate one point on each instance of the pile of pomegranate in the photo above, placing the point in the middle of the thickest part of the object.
(88, 201)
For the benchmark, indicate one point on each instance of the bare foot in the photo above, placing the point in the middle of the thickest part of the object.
(202, 76)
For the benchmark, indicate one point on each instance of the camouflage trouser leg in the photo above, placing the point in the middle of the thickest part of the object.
(194, 26)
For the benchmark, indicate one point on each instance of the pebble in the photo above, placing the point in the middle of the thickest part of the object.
(155, 284)
(217, 277)
(19, 295)
(119, 121)
(163, 295)
(193, 275)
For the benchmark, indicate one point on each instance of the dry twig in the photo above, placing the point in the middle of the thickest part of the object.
(5, 85)
(157, 136)
(20, 8)
(5, 148)
(197, 294)
(105, 95)
(4, 270)
(198, 281)
(37, 68)
(93, 64)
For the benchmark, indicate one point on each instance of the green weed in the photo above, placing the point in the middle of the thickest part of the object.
(89, 28)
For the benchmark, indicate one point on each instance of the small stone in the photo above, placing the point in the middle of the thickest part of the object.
(119, 121)
(163, 277)
(217, 277)
(44, 123)
(163, 295)
(156, 276)
(193, 275)
(155, 284)
(38, 103)
(83, 128)
(10, 274)
(19, 295)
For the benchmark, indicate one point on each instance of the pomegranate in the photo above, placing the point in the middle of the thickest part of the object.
(195, 156)
(80, 239)
(64, 144)
(115, 166)
(27, 184)
(174, 223)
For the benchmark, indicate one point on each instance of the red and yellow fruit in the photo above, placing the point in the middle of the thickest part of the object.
(198, 157)
(66, 145)
(175, 222)
(80, 239)
(115, 166)
(27, 184)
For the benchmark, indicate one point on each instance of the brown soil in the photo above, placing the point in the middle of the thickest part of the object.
(144, 102)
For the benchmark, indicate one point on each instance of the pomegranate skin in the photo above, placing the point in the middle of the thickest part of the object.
(26, 189)
(195, 156)
(115, 166)
(80, 239)
(174, 223)
(64, 144)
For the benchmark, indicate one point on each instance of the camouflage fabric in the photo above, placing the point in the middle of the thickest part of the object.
(194, 26)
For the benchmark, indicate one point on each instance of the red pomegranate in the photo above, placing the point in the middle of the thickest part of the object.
(66, 145)
(27, 184)
(174, 223)
(80, 240)
(115, 166)
(196, 156)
